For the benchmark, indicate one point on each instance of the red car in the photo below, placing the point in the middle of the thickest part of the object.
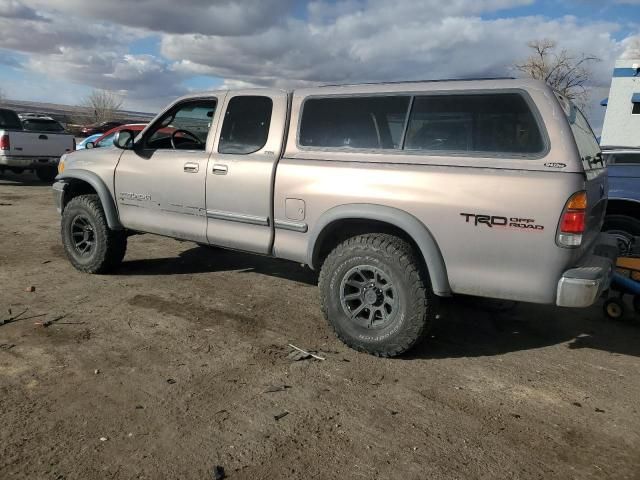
(106, 140)
(98, 128)
(161, 136)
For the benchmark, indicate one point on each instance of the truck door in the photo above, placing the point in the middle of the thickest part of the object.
(160, 185)
(242, 168)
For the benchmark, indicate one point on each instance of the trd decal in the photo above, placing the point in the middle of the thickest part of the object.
(503, 222)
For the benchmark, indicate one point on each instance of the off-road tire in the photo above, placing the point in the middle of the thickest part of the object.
(416, 301)
(47, 174)
(110, 245)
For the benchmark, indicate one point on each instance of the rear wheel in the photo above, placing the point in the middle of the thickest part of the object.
(375, 295)
(47, 174)
(623, 227)
(89, 243)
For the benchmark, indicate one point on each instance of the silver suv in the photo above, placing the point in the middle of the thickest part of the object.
(397, 193)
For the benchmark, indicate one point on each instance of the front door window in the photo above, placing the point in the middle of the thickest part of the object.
(185, 127)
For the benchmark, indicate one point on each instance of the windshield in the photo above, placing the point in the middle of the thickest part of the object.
(42, 125)
(9, 120)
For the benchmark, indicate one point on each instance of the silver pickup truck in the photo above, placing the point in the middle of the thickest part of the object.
(398, 194)
(32, 143)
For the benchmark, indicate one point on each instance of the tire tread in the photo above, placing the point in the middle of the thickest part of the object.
(394, 249)
(115, 241)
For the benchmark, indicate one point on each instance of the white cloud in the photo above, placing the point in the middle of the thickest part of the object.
(631, 47)
(50, 36)
(69, 49)
(16, 9)
(375, 47)
(251, 42)
(220, 17)
(141, 79)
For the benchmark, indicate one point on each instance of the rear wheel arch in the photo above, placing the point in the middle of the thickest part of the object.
(342, 222)
(80, 182)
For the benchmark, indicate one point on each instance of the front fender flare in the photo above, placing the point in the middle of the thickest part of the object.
(108, 204)
(393, 216)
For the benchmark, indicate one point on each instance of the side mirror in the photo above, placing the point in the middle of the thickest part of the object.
(89, 145)
(124, 139)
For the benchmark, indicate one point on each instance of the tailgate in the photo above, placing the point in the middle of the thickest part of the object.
(34, 144)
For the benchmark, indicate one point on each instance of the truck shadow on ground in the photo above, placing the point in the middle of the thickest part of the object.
(473, 327)
(468, 327)
(26, 179)
(208, 260)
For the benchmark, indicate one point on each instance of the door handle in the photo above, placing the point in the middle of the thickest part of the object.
(191, 167)
(219, 169)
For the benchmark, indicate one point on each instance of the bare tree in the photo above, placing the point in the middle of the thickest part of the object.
(567, 73)
(101, 106)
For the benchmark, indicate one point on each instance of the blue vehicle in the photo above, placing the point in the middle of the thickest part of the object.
(623, 209)
(92, 138)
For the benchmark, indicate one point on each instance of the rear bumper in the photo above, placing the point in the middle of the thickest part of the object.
(582, 286)
(28, 162)
(58, 194)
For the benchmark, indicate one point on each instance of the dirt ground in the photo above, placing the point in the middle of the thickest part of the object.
(163, 370)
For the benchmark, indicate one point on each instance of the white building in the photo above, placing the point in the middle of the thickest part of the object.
(622, 119)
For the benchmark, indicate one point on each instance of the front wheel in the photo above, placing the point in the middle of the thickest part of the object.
(89, 243)
(376, 296)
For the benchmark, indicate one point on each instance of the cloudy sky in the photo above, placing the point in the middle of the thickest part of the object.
(154, 50)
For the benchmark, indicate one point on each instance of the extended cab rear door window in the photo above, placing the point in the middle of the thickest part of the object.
(500, 123)
(246, 124)
(373, 122)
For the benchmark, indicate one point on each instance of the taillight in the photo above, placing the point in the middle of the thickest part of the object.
(5, 144)
(573, 221)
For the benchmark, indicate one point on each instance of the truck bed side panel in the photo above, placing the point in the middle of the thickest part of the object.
(510, 255)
